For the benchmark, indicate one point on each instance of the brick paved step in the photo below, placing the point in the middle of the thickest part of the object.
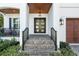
(39, 45)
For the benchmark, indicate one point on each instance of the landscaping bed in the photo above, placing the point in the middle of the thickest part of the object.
(64, 50)
(10, 48)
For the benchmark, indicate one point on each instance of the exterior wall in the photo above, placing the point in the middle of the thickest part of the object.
(67, 11)
(56, 18)
(27, 16)
(23, 19)
(6, 19)
(31, 23)
(50, 20)
(63, 11)
(12, 5)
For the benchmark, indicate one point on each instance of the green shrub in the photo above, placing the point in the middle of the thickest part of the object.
(13, 42)
(23, 54)
(64, 45)
(10, 48)
(1, 33)
(67, 52)
(7, 43)
(1, 41)
(64, 50)
(4, 44)
(1, 47)
(13, 51)
(55, 53)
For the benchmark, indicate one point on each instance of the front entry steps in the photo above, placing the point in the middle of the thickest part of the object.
(39, 45)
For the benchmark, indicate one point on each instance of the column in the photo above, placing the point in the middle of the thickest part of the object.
(23, 20)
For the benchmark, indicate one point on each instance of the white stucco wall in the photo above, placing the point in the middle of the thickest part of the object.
(67, 11)
(56, 17)
(23, 19)
(31, 23)
(63, 11)
(27, 16)
(50, 19)
(12, 5)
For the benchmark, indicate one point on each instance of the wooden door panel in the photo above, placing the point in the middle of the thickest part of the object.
(72, 30)
(69, 30)
(76, 30)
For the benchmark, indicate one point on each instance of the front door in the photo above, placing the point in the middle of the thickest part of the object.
(39, 25)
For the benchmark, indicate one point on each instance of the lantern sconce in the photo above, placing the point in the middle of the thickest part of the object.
(61, 21)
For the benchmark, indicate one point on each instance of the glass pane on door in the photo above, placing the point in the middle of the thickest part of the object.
(40, 25)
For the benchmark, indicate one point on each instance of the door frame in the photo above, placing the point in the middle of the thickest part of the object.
(35, 25)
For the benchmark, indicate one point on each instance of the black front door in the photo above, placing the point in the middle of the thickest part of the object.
(39, 25)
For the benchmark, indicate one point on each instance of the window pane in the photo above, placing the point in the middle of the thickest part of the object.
(16, 23)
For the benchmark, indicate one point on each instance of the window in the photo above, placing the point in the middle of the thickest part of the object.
(15, 23)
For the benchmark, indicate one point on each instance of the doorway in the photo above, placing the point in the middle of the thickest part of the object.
(39, 25)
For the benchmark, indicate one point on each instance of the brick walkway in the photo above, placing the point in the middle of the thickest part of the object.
(39, 45)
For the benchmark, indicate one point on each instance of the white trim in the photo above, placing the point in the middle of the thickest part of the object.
(9, 38)
(74, 43)
(12, 5)
(69, 7)
(39, 34)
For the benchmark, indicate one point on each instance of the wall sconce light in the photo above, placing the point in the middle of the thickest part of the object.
(61, 21)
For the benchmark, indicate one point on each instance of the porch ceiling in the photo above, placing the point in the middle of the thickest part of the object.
(10, 10)
(39, 7)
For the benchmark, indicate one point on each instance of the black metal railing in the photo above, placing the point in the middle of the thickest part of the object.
(54, 37)
(25, 37)
(5, 32)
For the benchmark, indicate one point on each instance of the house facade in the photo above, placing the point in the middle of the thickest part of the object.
(62, 17)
